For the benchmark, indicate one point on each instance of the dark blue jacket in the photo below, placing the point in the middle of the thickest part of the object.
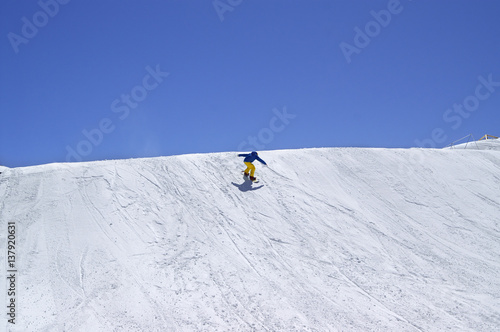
(251, 157)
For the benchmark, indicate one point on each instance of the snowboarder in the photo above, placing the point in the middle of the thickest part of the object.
(249, 159)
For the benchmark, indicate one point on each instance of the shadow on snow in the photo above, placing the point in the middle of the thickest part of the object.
(246, 186)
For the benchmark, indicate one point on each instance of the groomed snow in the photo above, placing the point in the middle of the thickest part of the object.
(487, 144)
(329, 240)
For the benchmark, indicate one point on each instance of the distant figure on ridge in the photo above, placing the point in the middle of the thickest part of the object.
(249, 159)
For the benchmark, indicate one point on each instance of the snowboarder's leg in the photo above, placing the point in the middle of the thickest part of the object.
(247, 170)
(251, 168)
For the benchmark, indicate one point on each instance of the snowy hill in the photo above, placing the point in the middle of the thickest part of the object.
(329, 240)
(488, 144)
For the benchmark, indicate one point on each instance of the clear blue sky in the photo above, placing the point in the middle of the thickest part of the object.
(93, 80)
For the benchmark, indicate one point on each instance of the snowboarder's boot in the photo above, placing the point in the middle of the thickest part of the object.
(253, 178)
(246, 174)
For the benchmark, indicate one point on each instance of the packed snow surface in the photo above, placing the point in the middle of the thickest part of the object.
(329, 240)
(487, 144)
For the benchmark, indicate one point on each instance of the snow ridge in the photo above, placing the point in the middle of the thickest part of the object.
(331, 239)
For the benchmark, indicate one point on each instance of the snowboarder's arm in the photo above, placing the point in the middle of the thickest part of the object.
(243, 155)
(262, 161)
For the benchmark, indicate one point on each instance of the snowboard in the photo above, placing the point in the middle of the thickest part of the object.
(248, 177)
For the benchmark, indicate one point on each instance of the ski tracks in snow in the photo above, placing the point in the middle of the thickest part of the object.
(335, 239)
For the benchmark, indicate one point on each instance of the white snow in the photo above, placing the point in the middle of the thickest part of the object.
(487, 144)
(330, 240)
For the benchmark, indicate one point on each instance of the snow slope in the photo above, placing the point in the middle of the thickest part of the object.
(488, 144)
(330, 239)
